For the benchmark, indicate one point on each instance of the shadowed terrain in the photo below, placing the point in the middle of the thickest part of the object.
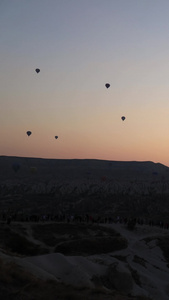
(68, 225)
(136, 189)
(23, 240)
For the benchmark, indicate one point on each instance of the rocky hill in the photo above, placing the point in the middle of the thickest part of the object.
(60, 186)
(65, 226)
(22, 168)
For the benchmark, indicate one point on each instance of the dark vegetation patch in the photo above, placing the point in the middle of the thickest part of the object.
(41, 231)
(90, 246)
(13, 242)
(19, 244)
(66, 238)
(19, 228)
(79, 239)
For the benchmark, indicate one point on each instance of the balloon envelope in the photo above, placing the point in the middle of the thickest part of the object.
(107, 85)
(123, 118)
(56, 137)
(28, 133)
(37, 70)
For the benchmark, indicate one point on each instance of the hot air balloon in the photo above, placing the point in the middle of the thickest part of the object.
(123, 118)
(56, 137)
(37, 70)
(28, 133)
(107, 85)
(16, 166)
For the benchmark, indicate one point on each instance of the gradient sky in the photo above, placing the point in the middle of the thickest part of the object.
(79, 45)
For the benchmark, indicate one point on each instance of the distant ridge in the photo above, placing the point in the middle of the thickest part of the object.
(74, 169)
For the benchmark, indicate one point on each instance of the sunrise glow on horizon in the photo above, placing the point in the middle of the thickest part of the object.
(78, 47)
